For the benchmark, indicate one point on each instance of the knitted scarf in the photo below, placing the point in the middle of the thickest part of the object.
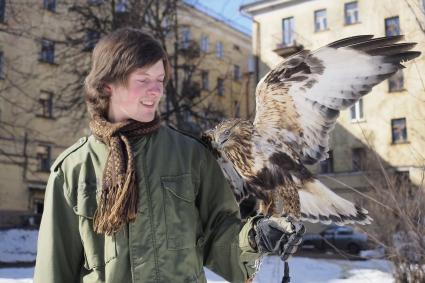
(119, 198)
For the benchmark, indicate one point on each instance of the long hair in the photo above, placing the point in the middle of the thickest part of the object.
(114, 58)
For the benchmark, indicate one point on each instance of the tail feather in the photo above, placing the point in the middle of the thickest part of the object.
(320, 204)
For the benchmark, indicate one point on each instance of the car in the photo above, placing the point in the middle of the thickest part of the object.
(340, 237)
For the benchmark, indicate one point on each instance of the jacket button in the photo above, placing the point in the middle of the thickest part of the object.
(81, 141)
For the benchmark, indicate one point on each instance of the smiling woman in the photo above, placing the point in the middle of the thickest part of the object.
(137, 201)
(139, 99)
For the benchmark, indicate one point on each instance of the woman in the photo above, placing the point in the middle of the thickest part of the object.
(137, 201)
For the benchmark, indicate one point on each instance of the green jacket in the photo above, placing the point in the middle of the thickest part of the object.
(188, 218)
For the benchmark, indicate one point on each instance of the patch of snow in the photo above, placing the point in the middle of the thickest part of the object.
(365, 275)
(18, 245)
(16, 275)
(379, 252)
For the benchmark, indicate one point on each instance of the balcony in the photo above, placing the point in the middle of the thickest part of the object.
(288, 49)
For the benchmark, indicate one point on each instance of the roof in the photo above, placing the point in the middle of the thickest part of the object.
(257, 7)
(219, 18)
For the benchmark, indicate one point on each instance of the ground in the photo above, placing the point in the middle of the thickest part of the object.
(20, 246)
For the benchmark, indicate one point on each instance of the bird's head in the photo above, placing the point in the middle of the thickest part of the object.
(224, 134)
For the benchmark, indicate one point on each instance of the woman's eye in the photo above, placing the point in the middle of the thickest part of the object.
(142, 81)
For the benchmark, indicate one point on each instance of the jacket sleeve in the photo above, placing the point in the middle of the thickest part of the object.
(59, 249)
(226, 248)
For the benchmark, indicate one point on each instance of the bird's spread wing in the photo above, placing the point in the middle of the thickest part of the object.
(300, 100)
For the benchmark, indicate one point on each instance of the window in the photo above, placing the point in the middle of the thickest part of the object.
(237, 108)
(251, 64)
(236, 73)
(423, 5)
(205, 80)
(351, 13)
(38, 206)
(92, 37)
(47, 51)
(356, 111)
(219, 52)
(320, 21)
(288, 31)
(399, 130)
(44, 157)
(46, 104)
(205, 45)
(344, 232)
(121, 6)
(95, 2)
(2, 10)
(392, 26)
(220, 86)
(359, 158)
(49, 5)
(396, 82)
(185, 40)
(327, 166)
(2, 73)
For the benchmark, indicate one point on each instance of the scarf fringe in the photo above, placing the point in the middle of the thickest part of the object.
(117, 208)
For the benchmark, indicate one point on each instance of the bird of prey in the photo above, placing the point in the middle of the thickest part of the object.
(297, 105)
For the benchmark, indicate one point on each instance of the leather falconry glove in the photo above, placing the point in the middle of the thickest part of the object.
(277, 235)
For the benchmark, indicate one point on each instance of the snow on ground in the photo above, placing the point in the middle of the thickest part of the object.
(302, 270)
(20, 245)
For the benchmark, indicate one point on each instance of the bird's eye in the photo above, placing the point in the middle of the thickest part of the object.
(226, 132)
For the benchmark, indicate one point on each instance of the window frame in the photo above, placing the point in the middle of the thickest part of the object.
(205, 80)
(288, 33)
(220, 87)
(47, 50)
(49, 5)
(205, 44)
(2, 65)
(393, 82)
(316, 20)
(328, 163)
(121, 6)
(44, 160)
(358, 111)
(219, 50)
(237, 74)
(186, 35)
(387, 25)
(46, 103)
(357, 20)
(90, 43)
(3, 5)
(361, 158)
(393, 140)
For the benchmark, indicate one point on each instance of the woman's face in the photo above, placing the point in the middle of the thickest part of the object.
(140, 98)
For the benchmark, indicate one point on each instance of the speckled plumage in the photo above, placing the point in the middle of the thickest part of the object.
(298, 103)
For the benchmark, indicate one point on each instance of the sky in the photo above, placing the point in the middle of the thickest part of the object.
(228, 10)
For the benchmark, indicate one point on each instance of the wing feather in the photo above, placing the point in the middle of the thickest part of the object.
(305, 94)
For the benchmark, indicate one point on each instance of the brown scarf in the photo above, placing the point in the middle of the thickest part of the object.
(118, 202)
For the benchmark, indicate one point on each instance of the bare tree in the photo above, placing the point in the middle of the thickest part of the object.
(57, 39)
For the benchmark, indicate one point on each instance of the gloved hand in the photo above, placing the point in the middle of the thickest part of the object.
(277, 235)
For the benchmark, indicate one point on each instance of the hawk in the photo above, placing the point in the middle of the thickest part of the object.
(297, 105)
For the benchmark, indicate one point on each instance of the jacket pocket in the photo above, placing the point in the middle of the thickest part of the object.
(181, 214)
(99, 249)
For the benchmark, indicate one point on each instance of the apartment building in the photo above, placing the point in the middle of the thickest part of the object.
(39, 79)
(386, 126)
